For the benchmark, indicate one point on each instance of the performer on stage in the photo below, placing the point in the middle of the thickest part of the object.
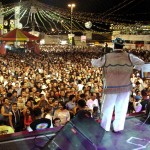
(117, 69)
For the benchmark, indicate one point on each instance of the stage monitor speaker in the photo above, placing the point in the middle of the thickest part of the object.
(81, 133)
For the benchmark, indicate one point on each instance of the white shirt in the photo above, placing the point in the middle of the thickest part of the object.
(80, 87)
(48, 116)
(91, 103)
(1, 79)
(137, 62)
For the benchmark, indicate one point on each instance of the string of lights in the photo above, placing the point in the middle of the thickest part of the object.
(50, 17)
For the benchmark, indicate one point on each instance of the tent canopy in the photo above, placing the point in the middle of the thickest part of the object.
(30, 36)
(18, 35)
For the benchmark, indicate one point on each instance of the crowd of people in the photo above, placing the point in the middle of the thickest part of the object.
(56, 84)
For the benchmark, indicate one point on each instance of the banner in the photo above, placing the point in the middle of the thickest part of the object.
(2, 49)
(1, 19)
(146, 71)
(17, 16)
(12, 24)
(83, 38)
(71, 37)
(1, 24)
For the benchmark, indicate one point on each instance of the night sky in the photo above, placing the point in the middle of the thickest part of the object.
(99, 6)
(120, 11)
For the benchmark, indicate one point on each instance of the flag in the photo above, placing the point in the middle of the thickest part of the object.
(2, 49)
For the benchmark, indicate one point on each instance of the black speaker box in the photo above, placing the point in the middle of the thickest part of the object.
(81, 133)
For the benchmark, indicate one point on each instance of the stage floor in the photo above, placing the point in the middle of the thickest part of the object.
(136, 136)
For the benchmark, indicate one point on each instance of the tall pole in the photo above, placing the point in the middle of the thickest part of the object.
(61, 29)
(1, 20)
(71, 8)
(71, 29)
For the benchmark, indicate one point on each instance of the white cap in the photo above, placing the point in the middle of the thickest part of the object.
(44, 87)
(48, 76)
(26, 78)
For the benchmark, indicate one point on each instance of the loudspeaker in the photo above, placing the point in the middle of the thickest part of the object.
(81, 133)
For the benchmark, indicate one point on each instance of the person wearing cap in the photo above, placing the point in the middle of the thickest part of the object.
(44, 89)
(117, 69)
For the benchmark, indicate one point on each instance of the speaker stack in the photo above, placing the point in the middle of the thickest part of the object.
(81, 133)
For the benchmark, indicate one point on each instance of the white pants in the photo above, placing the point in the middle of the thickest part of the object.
(118, 101)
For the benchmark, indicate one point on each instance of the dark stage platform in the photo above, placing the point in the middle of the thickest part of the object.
(136, 136)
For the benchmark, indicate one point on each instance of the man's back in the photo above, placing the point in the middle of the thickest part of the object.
(40, 124)
(117, 72)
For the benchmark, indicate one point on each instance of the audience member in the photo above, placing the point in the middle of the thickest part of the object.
(15, 118)
(57, 122)
(62, 113)
(39, 123)
(60, 72)
(28, 117)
